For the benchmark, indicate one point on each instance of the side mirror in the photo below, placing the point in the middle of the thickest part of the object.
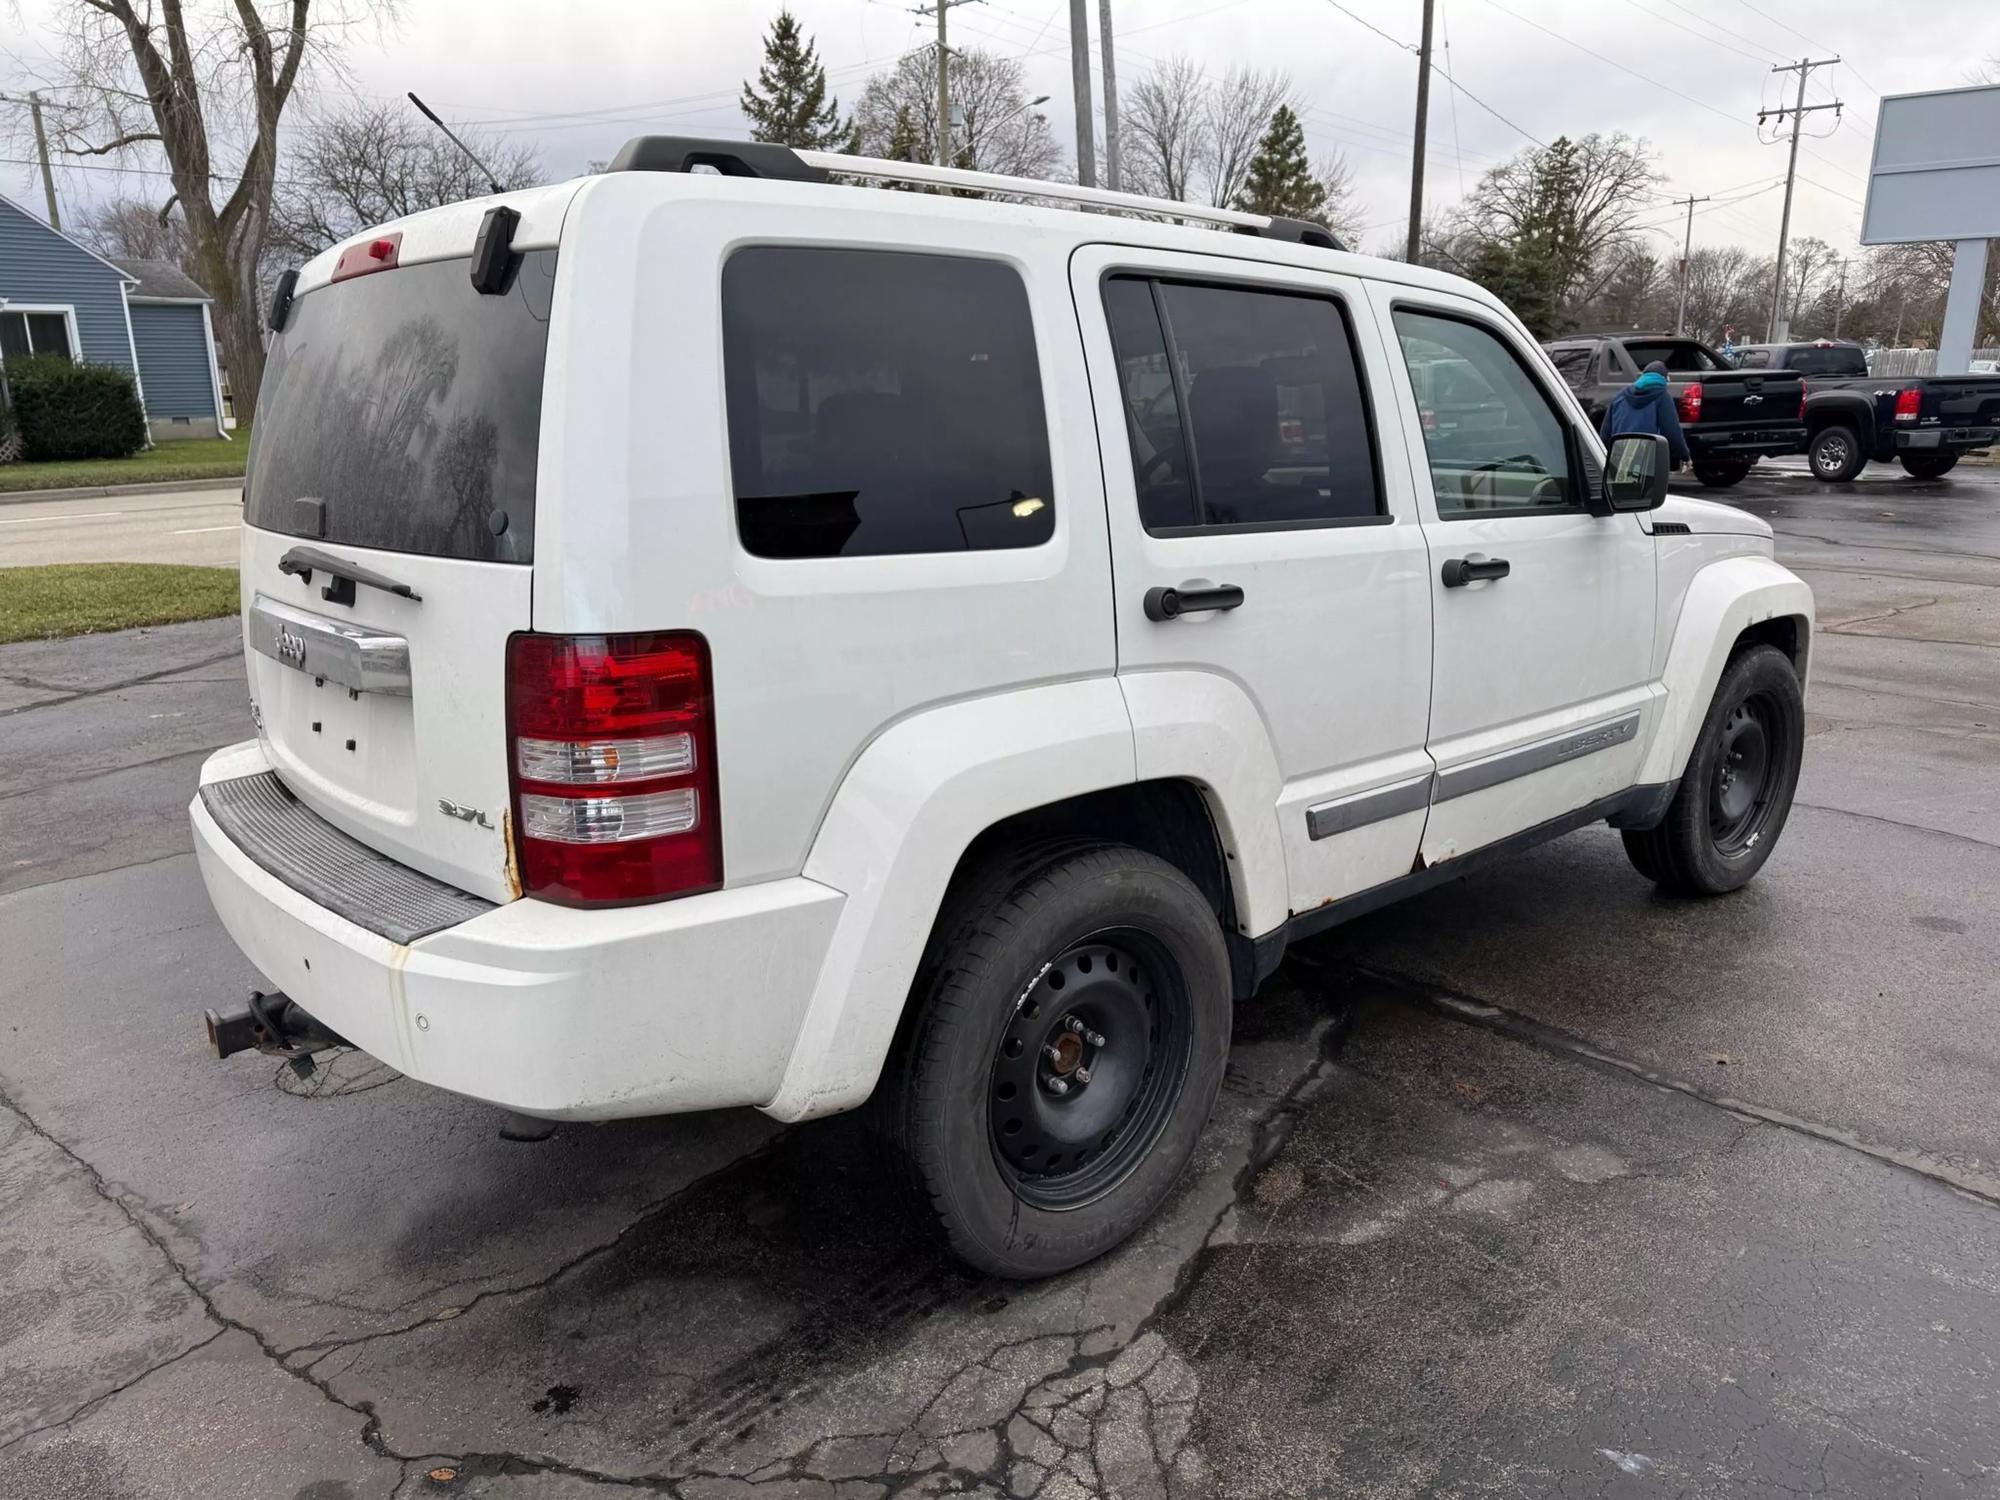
(1636, 465)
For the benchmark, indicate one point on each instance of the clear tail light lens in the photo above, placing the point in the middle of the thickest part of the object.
(1908, 403)
(612, 747)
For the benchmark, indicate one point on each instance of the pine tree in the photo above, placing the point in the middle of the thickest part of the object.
(788, 105)
(906, 143)
(1280, 180)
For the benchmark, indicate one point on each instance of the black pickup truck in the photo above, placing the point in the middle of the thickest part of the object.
(1731, 417)
(1924, 421)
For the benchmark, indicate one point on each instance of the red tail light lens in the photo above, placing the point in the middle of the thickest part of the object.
(1690, 402)
(1907, 403)
(1803, 385)
(611, 743)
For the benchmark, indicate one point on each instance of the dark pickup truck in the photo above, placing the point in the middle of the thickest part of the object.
(1731, 417)
(1924, 421)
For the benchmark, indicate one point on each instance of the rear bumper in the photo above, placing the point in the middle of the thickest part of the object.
(1945, 439)
(1746, 442)
(682, 1005)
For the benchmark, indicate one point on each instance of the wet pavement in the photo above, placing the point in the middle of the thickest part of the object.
(1541, 1184)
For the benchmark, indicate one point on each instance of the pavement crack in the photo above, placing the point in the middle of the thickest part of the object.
(85, 776)
(1943, 833)
(102, 1397)
(1983, 1187)
(235, 653)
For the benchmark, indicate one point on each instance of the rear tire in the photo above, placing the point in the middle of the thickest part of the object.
(1092, 965)
(1720, 476)
(1835, 453)
(1737, 790)
(1929, 465)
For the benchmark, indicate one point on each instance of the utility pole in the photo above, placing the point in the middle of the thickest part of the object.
(1840, 297)
(1079, 72)
(1687, 251)
(944, 75)
(1417, 145)
(1798, 110)
(34, 102)
(1110, 95)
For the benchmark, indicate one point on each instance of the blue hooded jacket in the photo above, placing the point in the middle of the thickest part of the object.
(1647, 406)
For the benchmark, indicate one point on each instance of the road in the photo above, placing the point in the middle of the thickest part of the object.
(1541, 1184)
(187, 526)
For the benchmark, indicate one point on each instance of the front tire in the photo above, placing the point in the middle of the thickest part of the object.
(1835, 454)
(1737, 790)
(1070, 1036)
(1720, 476)
(1929, 465)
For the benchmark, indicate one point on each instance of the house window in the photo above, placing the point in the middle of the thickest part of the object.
(23, 333)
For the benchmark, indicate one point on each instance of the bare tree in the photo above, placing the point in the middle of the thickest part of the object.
(1807, 265)
(204, 87)
(1570, 205)
(1235, 114)
(995, 129)
(127, 229)
(1343, 213)
(1728, 287)
(1162, 124)
(368, 163)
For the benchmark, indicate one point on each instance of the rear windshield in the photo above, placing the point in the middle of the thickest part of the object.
(1842, 359)
(1678, 355)
(402, 410)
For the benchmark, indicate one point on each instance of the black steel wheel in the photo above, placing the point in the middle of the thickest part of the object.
(1067, 1040)
(1720, 475)
(1736, 793)
(1089, 1068)
(1835, 454)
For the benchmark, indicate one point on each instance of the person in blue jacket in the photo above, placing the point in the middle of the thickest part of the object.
(1646, 405)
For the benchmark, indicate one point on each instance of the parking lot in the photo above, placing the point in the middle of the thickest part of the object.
(1540, 1184)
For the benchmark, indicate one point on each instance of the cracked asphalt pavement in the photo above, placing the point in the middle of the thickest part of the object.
(1541, 1184)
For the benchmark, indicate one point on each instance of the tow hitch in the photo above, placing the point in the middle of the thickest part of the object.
(274, 1024)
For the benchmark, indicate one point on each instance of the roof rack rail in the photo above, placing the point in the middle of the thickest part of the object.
(678, 153)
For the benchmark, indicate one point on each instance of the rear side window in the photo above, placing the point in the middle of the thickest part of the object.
(1753, 359)
(1839, 360)
(882, 403)
(1244, 407)
(403, 410)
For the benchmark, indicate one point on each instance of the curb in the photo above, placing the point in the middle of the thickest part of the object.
(101, 491)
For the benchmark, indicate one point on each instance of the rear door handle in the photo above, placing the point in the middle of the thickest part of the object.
(1170, 603)
(1459, 571)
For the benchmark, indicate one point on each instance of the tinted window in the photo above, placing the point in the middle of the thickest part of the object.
(1753, 359)
(882, 402)
(1676, 354)
(1495, 441)
(1573, 365)
(1839, 360)
(1256, 417)
(408, 407)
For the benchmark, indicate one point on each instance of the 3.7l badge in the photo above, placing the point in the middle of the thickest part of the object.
(463, 813)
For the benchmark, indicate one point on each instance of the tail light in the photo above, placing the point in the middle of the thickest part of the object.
(611, 742)
(1907, 402)
(1803, 384)
(1690, 401)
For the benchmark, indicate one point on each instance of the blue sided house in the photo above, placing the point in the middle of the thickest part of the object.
(145, 316)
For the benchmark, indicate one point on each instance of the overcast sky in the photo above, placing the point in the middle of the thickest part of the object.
(577, 77)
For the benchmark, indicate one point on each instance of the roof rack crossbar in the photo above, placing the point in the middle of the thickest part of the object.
(756, 159)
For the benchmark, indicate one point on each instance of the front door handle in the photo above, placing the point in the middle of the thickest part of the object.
(1170, 604)
(1459, 571)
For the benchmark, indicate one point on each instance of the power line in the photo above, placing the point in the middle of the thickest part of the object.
(1711, 41)
(1613, 63)
(1456, 85)
(1796, 112)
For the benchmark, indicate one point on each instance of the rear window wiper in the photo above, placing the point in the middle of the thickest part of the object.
(341, 575)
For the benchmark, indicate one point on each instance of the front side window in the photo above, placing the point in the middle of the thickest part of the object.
(1244, 407)
(1496, 442)
(25, 333)
(882, 402)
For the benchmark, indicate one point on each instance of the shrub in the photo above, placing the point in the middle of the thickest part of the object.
(68, 410)
(10, 432)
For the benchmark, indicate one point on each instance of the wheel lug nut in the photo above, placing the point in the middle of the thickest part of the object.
(1083, 1075)
(1095, 1038)
(1053, 1053)
(1073, 1024)
(1058, 1086)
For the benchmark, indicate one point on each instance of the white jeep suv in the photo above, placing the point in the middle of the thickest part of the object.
(743, 637)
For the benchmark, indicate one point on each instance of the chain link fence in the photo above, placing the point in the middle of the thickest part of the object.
(1893, 362)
